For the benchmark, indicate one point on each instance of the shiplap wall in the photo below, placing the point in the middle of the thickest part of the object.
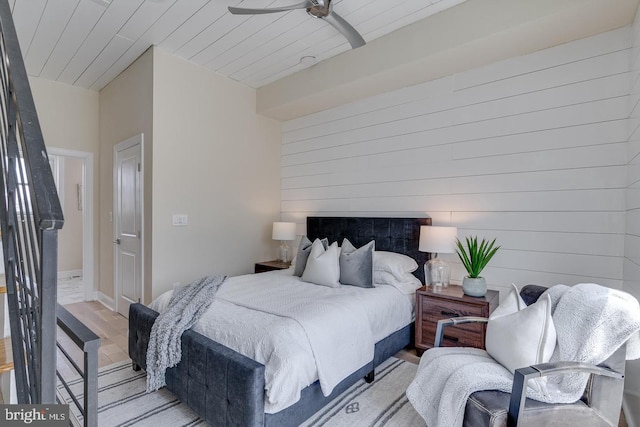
(531, 151)
(632, 237)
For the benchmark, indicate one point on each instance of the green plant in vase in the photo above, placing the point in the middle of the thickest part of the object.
(475, 258)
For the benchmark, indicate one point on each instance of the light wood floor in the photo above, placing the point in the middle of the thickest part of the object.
(110, 326)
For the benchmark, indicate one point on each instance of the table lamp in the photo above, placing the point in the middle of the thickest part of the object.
(284, 231)
(435, 240)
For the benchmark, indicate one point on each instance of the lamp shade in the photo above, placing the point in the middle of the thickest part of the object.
(284, 231)
(437, 239)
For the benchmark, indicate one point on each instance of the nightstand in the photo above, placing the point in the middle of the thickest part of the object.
(261, 267)
(433, 305)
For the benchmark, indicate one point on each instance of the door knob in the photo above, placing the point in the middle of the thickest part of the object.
(117, 241)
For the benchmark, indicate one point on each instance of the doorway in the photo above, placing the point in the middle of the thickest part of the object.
(73, 173)
(127, 224)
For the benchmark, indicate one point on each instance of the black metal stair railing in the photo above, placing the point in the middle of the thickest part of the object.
(85, 401)
(30, 217)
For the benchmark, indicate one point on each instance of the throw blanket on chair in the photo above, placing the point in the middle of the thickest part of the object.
(187, 305)
(591, 322)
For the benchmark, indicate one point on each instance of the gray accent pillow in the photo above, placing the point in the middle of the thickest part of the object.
(304, 249)
(356, 265)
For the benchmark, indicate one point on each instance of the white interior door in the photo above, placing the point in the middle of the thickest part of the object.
(128, 223)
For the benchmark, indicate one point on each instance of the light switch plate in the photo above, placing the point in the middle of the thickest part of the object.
(180, 219)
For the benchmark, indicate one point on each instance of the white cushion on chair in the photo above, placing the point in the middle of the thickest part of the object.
(512, 303)
(520, 338)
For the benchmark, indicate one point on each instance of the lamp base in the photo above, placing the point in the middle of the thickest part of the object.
(283, 252)
(437, 273)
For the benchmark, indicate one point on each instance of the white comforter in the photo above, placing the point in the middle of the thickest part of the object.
(301, 332)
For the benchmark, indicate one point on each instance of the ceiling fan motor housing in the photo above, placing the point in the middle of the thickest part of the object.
(320, 9)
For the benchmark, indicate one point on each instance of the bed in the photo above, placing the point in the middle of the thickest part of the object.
(226, 388)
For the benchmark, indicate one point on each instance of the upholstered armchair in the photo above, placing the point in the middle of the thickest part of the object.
(599, 406)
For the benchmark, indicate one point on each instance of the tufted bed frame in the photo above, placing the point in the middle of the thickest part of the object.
(226, 388)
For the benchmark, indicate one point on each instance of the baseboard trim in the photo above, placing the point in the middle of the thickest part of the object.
(105, 300)
(630, 405)
(69, 273)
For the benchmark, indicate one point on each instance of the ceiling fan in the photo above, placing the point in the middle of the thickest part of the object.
(317, 8)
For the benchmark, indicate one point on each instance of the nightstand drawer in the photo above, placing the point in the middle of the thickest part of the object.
(436, 309)
(467, 335)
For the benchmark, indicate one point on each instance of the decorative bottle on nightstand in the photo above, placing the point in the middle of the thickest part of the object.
(283, 252)
(437, 272)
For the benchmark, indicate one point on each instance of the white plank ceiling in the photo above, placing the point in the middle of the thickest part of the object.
(89, 42)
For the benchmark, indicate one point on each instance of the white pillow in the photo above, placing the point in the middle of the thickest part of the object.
(407, 285)
(513, 302)
(523, 337)
(323, 266)
(394, 263)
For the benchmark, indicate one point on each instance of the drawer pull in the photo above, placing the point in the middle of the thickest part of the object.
(454, 339)
(449, 313)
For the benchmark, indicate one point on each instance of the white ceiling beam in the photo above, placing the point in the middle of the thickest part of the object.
(470, 35)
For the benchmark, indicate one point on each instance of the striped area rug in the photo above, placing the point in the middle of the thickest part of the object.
(381, 403)
(123, 401)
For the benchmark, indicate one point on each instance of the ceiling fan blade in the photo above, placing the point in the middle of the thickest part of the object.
(347, 30)
(242, 11)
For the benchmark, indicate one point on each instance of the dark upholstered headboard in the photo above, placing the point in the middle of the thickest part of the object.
(400, 235)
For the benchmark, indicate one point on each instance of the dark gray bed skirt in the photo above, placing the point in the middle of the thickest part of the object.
(226, 388)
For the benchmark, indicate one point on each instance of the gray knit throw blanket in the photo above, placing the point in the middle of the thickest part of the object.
(186, 306)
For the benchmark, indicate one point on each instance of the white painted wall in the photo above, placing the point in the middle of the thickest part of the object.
(217, 161)
(126, 110)
(69, 120)
(68, 115)
(530, 150)
(632, 236)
